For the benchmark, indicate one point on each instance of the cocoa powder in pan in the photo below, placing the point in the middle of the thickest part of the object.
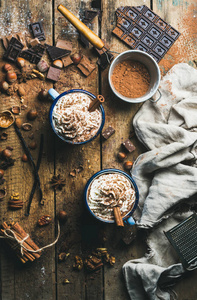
(131, 79)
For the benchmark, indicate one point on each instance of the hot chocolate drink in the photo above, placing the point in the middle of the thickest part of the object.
(108, 191)
(73, 121)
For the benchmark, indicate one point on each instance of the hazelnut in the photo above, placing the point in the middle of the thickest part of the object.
(20, 62)
(58, 63)
(32, 114)
(4, 86)
(121, 156)
(42, 66)
(11, 76)
(7, 67)
(76, 58)
(1, 173)
(62, 216)
(6, 153)
(21, 91)
(128, 165)
(18, 122)
(24, 158)
(33, 145)
(43, 95)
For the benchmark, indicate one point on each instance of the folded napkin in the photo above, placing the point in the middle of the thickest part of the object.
(166, 176)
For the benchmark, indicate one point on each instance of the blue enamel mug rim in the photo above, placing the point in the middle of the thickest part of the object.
(129, 214)
(69, 92)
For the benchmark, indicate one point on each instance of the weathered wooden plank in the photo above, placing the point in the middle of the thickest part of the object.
(182, 16)
(119, 115)
(24, 278)
(69, 157)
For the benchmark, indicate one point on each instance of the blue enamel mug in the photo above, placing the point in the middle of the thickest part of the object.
(55, 96)
(128, 219)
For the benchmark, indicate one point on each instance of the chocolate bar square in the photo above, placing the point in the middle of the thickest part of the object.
(34, 54)
(108, 132)
(53, 74)
(37, 30)
(128, 146)
(67, 61)
(86, 66)
(64, 44)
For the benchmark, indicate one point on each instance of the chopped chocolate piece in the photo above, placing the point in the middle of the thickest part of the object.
(56, 53)
(86, 66)
(13, 50)
(96, 4)
(108, 132)
(90, 15)
(105, 59)
(67, 61)
(37, 30)
(64, 44)
(140, 28)
(128, 146)
(53, 74)
(34, 42)
(104, 49)
(34, 54)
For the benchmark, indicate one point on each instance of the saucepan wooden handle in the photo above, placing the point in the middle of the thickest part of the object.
(81, 27)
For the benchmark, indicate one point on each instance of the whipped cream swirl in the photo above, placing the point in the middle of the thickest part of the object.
(73, 121)
(108, 191)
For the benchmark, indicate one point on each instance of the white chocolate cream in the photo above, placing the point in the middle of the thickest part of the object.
(109, 190)
(73, 121)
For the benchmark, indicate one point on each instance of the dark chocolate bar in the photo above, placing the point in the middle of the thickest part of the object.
(56, 53)
(128, 146)
(108, 132)
(34, 54)
(37, 30)
(13, 50)
(53, 74)
(140, 28)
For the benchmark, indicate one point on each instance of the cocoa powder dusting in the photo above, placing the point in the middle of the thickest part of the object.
(131, 79)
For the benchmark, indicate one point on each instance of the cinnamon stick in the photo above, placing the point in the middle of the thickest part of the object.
(118, 217)
(95, 103)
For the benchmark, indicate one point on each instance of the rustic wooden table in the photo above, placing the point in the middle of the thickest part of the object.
(43, 278)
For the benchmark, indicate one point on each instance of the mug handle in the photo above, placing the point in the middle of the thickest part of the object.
(53, 94)
(129, 221)
(154, 101)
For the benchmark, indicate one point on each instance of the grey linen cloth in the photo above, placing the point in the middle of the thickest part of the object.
(166, 175)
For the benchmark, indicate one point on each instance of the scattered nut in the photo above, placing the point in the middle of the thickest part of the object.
(20, 62)
(62, 216)
(7, 67)
(63, 256)
(24, 158)
(128, 165)
(33, 145)
(6, 153)
(4, 86)
(43, 95)
(3, 136)
(18, 122)
(26, 126)
(6, 119)
(73, 173)
(21, 91)
(32, 114)
(76, 58)
(58, 63)
(121, 156)
(11, 76)
(42, 66)
(1, 173)
(44, 220)
(38, 74)
(78, 264)
(66, 281)
(16, 110)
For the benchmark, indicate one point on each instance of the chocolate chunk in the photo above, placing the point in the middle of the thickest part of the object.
(13, 50)
(37, 30)
(86, 66)
(96, 4)
(64, 44)
(140, 28)
(34, 54)
(56, 53)
(67, 61)
(105, 59)
(103, 50)
(108, 132)
(90, 15)
(128, 146)
(53, 74)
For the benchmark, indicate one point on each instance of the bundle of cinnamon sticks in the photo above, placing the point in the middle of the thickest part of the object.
(20, 234)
